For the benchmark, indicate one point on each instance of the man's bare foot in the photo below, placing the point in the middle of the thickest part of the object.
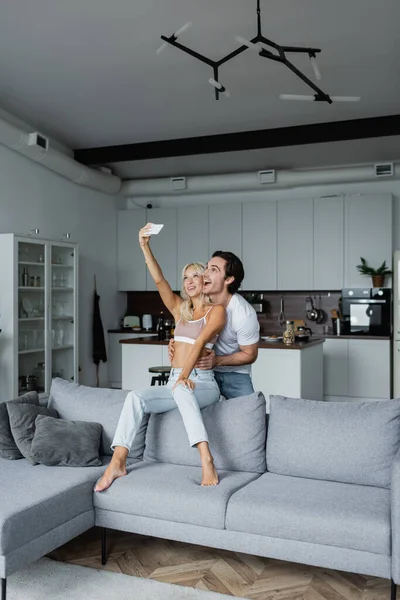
(210, 475)
(113, 471)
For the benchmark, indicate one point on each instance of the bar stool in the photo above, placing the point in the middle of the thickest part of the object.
(162, 377)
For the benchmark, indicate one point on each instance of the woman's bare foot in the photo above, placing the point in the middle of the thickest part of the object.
(210, 475)
(114, 470)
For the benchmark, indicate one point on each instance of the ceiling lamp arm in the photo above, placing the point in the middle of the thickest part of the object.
(259, 33)
(320, 95)
(172, 40)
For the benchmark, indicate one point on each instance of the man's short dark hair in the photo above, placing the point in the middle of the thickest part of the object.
(233, 268)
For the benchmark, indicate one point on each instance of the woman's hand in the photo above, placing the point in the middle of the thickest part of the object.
(144, 237)
(186, 382)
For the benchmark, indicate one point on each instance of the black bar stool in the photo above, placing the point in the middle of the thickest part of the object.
(162, 377)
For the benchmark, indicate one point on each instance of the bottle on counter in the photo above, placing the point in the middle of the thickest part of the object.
(160, 327)
(25, 277)
(288, 334)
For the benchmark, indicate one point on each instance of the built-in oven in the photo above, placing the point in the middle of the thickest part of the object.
(366, 311)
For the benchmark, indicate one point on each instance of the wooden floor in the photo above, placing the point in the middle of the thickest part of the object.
(219, 570)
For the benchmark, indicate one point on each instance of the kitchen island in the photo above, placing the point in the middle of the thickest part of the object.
(295, 370)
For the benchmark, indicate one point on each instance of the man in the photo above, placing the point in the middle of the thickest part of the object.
(237, 345)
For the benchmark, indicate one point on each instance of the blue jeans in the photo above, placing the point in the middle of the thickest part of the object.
(233, 385)
(159, 399)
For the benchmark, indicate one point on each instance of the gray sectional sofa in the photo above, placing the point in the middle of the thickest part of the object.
(322, 488)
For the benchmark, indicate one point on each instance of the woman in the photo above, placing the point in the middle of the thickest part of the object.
(198, 325)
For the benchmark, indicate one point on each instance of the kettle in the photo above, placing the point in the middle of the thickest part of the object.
(147, 322)
(303, 333)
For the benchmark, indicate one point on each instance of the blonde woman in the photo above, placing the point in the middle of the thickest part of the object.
(188, 389)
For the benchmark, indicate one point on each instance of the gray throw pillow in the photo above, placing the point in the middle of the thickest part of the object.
(22, 424)
(236, 429)
(66, 443)
(76, 402)
(8, 447)
(348, 442)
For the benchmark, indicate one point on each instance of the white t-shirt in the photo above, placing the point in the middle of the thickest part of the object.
(241, 329)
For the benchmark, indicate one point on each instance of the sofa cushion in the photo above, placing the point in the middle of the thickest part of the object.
(8, 447)
(236, 429)
(99, 405)
(337, 441)
(22, 425)
(173, 493)
(66, 443)
(35, 500)
(345, 515)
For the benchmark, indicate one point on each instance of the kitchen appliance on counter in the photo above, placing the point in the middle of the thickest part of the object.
(147, 322)
(132, 322)
(366, 311)
(396, 324)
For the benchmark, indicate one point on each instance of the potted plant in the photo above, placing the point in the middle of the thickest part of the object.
(378, 275)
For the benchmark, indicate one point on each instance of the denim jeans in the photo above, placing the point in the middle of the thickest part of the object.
(233, 385)
(159, 399)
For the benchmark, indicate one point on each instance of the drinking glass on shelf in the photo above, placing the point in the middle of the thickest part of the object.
(54, 280)
(53, 338)
(59, 336)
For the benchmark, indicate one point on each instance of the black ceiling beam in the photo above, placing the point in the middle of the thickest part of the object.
(316, 133)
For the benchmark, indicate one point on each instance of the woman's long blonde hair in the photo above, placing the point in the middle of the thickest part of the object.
(187, 305)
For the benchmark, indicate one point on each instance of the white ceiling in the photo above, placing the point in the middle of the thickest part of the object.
(87, 73)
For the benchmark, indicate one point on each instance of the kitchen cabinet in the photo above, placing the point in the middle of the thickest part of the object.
(369, 369)
(226, 228)
(270, 373)
(193, 237)
(259, 245)
(368, 233)
(336, 367)
(136, 360)
(357, 369)
(164, 245)
(328, 267)
(396, 369)
(295, 245)
(39, 314)
(131, 266)
(114, 355)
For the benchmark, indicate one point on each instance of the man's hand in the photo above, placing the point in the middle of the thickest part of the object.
(206, 362)
(171, 350)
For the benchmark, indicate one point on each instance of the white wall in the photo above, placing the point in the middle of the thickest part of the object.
(32, 196)
(381, 186)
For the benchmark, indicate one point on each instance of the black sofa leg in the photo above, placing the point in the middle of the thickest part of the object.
(3, 588)
(392, 590)
(103, 546)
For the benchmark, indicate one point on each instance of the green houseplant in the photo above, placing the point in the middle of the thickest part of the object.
(378, 275)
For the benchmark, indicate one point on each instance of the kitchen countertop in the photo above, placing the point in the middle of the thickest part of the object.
(130, 330)
(356, 337)
(262, 344)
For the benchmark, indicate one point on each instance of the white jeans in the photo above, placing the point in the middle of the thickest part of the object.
(159, 399)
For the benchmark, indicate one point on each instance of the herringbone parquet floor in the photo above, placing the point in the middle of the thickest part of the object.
(226, 572)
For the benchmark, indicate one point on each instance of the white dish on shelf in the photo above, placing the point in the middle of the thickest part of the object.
(268, 338)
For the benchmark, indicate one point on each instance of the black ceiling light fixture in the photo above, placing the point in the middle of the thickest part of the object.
(266, 49)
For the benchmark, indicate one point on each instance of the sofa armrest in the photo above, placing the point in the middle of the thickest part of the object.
(395, 515)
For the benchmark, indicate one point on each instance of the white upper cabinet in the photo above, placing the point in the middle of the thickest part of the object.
(193, 237)
(368, 233)
(259, 245)
(131, 265)
(328, 243)
(226, 228)
(295, 244)
(164, 245)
